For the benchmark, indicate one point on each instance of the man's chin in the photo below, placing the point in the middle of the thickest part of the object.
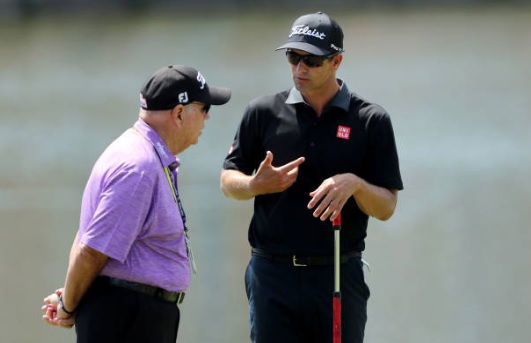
(299, 86)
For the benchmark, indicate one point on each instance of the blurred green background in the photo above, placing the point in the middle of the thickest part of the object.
(452, 265)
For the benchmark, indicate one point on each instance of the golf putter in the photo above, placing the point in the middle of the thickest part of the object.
(336, 304)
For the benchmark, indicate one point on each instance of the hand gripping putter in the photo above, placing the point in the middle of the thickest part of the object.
(336, 301)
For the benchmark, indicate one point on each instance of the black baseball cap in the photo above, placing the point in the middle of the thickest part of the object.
(315, 33)
(178, 84)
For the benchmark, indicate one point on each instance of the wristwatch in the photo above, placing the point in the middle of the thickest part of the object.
(60, 297)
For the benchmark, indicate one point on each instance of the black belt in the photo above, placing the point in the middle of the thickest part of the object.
(162, 294)
(305, 261)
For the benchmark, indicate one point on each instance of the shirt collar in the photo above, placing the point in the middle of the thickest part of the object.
(341, 99)
(164, 153)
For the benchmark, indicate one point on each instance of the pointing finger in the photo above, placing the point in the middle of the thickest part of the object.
(293, 172)
(293, 164)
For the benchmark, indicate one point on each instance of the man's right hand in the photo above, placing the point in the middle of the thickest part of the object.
(269, 179)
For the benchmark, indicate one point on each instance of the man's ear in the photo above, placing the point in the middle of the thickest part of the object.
(337, 60)
(177, 114)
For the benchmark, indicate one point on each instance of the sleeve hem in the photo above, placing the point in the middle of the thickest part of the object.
(389, 184)
(101, 249)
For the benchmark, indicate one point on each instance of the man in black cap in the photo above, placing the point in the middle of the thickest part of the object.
(131, 260)
(306, 155)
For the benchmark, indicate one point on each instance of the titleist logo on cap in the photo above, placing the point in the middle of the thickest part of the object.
(305, 30)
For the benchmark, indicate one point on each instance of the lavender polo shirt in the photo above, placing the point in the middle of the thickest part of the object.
(129, 214)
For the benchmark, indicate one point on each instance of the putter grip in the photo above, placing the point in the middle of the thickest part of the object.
(337, 221)
(336, 329)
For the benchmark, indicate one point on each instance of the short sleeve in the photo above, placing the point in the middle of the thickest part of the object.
(120, 213)
(244, 152)
(383, 166)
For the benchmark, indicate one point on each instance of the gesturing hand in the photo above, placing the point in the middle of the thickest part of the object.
(269, 179)
(332, 195)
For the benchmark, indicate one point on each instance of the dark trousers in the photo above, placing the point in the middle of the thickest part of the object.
(289, 304)
(110, 314)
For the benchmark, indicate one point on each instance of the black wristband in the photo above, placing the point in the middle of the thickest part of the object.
(60, 297)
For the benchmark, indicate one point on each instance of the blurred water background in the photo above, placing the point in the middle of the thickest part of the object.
(452, 265)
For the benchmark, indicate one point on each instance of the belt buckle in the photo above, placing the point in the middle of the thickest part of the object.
(296, 264)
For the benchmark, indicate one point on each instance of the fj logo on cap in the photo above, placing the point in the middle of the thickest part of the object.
(183, 97)
(305, 30)
(343, 132)
(201, 80)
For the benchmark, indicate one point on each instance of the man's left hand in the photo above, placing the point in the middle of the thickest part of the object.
(332, 195)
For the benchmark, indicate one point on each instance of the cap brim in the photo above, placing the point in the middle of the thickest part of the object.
(309, 48)
(216, 96)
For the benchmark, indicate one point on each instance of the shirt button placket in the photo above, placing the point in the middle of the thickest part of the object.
(312, 136)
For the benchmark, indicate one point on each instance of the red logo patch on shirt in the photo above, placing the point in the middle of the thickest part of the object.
(343, 132)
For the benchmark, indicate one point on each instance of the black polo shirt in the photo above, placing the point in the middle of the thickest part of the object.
(351, 136)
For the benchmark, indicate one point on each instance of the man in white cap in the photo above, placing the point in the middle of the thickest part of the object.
(307, 155)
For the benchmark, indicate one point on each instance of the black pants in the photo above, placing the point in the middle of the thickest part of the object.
(290, 304)
(110, 314)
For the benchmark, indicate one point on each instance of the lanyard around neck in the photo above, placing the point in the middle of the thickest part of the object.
(177, 200)
(176, 197)
(168, 177)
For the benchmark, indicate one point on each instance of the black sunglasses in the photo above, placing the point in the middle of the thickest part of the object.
(311, 61)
